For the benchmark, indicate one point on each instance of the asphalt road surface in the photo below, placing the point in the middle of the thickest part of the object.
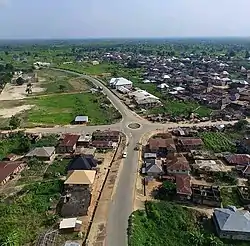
(122, 203)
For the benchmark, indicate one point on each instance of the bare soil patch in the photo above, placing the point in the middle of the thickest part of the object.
(8, 112)
(17, 92)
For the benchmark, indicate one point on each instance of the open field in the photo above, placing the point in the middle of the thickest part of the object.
(57, 82)
(56, 99)
(61, 109)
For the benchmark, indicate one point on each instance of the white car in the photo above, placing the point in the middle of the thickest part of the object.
(124, 155)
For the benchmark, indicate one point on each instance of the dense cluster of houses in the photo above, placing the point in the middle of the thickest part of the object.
(174, 157)
(81, 170)
(215, 83)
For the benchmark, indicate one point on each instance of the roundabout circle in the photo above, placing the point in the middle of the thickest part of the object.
(134, 126)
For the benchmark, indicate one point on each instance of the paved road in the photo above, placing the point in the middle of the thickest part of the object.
(122, 203)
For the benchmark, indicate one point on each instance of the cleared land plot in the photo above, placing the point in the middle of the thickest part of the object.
(61, 109)
(218, 142)
(57, 82)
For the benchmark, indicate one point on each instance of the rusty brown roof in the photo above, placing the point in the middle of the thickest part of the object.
(183, 185)
(191, 141)
(8, 167)
(69, 140)
(155, 143)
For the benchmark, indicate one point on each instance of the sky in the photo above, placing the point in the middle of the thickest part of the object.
(55, 19)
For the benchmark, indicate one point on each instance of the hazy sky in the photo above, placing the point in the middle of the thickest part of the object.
(123, 18)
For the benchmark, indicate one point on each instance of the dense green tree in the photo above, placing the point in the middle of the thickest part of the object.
(14, 122)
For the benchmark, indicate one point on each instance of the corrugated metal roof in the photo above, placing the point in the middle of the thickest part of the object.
(81, 118)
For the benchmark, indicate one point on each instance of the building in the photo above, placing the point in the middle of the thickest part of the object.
(42, 153)
(84, 141)
(206, 195)
(106, 135)
(231, 223)
(67, 144)
(205, 166)
(86, 162)
(8, 170)
(77, 193)
(103, 145)
(153, 167)
(161, 146)
(70, 225)
(178, 164)
(80, 178)
(120, 82)
(238, 159)
(81, 119)
(188, 144)
(183, 187)
(144, 99)
(150, 155)
(71, 243)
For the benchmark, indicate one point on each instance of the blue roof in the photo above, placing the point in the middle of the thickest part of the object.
(81, 118)
(231, 219)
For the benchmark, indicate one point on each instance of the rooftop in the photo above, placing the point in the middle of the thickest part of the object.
(8, 167)
(41, 152)
(191, 141)
(69, 140)
(80, 177)
(183, 185)
(231, 219)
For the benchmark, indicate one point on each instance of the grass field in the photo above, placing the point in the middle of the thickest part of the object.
(58, 82)
(61, 109)
(218, 142)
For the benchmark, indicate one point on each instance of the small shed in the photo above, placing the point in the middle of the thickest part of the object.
(70, 224)
(81, 119)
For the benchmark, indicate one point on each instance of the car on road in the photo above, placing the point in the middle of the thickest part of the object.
(124, 155)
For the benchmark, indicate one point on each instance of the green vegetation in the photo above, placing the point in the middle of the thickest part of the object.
(26, 215)
(14, 122)
(164, 223)
(60, 82)
(62, 109)
(218, 142)
(57, 169)
(34, 172)
(229, 178)
(166, 191)
(47, 141)
(230, 197)
(17, 143)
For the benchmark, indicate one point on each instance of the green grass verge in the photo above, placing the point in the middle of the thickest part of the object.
(218, 142)
(61, 109)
